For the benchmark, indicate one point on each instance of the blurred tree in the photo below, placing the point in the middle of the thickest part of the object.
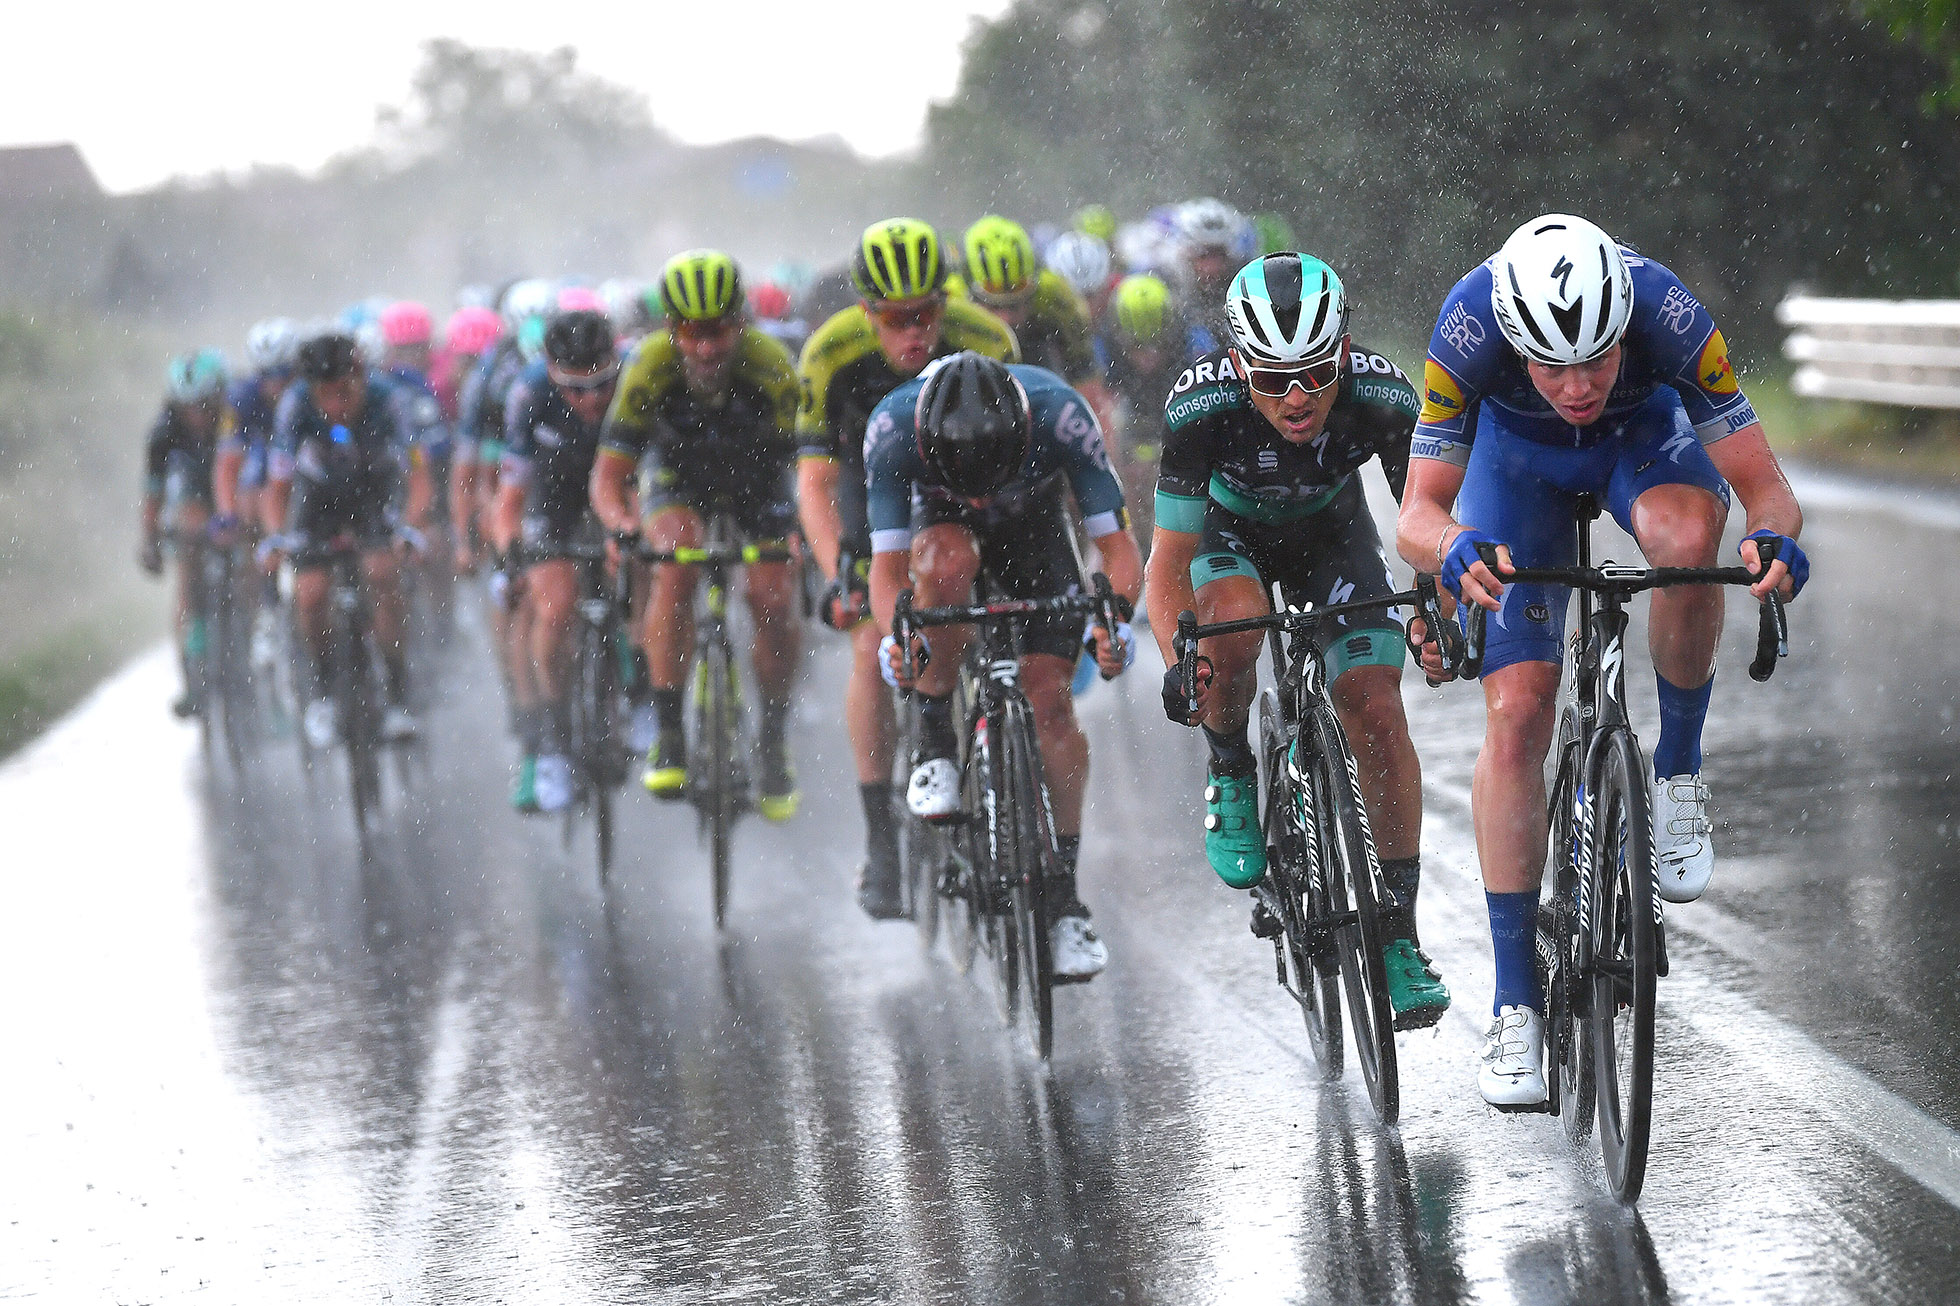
(1934, 25)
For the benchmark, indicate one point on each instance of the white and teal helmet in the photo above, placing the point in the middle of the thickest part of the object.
(1286, 309)
(1561, 290)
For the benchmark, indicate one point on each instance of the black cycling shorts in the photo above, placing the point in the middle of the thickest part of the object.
(1331, 556)
(1029, 552)
(319, 512)
(760, 497)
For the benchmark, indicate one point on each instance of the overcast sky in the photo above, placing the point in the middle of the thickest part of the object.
(151, 92)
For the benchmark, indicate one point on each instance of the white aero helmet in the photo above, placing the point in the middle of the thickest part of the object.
(272, 344)
(531, 297)
(1561, 290)
(1287, 308)
(1081, 260)
(1209, 223)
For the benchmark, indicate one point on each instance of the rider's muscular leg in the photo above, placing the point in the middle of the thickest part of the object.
(384, 583)
(772, 598)
(1681, 526)
(315, 622)
(1507, 796)
(1234, 662)
(868, 710)
(945, 561)
(667, 634)
(1064, 748)
(1369, 703)
(553, 589)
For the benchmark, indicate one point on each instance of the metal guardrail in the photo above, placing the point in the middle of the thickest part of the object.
(1877, 351)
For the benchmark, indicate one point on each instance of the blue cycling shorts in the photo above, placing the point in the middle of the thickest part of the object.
(1521, 493)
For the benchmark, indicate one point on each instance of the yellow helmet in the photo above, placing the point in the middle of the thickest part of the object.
(999, 259)
(1143, 307)
(699, 285)
(1096, 220)
(898, 258)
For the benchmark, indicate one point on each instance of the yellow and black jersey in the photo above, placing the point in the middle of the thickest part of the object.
(655, 412)
(845, 375)
(1057, 333)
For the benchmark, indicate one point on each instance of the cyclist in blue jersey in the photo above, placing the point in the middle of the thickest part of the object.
(964, 467)
(1564, 365)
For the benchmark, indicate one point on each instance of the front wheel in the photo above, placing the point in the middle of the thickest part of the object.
(1310, 968)
(1035, 856)
(1348, 862)
(1625, 906)
(714, 737)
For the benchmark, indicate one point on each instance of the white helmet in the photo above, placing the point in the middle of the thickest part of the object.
(1207, 223)
(272, 344)
(531, 297)
(1081, 260)
(1142, 246)
(1561, 290)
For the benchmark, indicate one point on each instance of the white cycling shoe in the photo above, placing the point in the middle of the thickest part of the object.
(642, 729)
(1684, 847)
(934, 791)
(1513, 1069)
(322, 725)
(553, 782)
(398, 724)
(1074, 950)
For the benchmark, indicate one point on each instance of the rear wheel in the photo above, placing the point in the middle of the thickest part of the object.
(1350, 873)
(1625, 905)
(1309, 961)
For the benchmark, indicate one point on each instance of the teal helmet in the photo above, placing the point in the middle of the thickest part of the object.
(196, 376)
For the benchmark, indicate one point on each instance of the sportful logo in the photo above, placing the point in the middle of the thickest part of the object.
(1268, 460)
(1677, 311)
(1461, 331)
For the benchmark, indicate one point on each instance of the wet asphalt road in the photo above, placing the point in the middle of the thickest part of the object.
(241, 1067)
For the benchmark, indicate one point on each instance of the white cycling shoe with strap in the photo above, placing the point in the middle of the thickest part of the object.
(1684, 846)
(1513, 1070)
(934, 791)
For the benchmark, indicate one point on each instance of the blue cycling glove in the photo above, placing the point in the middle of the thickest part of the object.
(1461, 558)
(1788, 554)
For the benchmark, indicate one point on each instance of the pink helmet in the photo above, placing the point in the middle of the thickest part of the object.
(580, 299)
(768, 300)
(406, 322)
(473, 330)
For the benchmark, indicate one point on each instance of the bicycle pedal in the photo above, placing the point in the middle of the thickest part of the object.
(1660, 950)
(1057, 981)
(1549, 1107)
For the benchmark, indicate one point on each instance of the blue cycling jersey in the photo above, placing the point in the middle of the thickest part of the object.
(424, 410)
(1670, 341)
(1067, 442)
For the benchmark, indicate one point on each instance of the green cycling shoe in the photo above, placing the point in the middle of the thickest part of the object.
(1415, 986)
(524, 786)
(1234, 844)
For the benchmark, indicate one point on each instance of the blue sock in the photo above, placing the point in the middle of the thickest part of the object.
(1682, 712)
(1513, 939)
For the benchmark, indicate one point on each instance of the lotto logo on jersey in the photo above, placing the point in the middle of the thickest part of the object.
(1442, 401)
(1712, 370)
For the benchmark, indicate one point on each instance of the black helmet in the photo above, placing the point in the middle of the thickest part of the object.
(973, 424)
(329, 357)
(580, 340)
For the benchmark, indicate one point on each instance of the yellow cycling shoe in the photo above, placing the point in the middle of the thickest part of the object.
(666, 773)
(777, 798)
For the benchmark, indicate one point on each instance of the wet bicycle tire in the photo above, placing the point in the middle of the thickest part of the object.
(1625, 903)
(1034, 855)
(717, 732)
(1302, 895)
(1568, 1052)
(1351, 874)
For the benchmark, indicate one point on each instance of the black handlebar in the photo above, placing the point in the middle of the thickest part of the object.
(1105, 605)
(1772, 632)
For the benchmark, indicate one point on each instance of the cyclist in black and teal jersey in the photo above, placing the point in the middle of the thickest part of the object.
(1258, 484)
(902, 321)
(965, 469)
(179, 457)
(706, 414)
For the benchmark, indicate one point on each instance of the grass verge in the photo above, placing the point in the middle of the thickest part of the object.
(41, 682)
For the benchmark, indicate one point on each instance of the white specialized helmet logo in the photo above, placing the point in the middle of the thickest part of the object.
(1560, 290)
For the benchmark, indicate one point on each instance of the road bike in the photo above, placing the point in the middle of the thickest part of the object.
(1601, 938)
(922, 852)
(1003, 848)
(230, 688)
(1323, 886)
(718, 779)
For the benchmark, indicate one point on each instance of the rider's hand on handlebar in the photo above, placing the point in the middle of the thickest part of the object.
(843, 605)
(1176, 707)
(891, 664)
(1432, 652)
(1468, 577)
(1113, 657)
(1787, 574)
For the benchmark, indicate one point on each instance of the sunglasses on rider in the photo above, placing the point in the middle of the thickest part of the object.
(905, 319)
(1275, 382)
(581, 384)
